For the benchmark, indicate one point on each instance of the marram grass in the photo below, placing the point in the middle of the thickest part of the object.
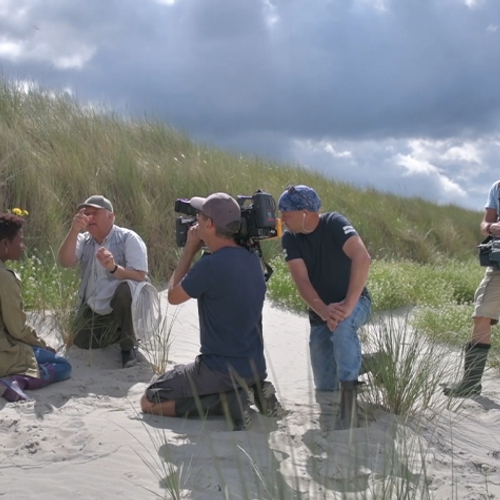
(55, 152)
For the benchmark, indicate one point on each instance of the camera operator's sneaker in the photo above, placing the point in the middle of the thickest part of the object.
(266, 401)
(129, 358)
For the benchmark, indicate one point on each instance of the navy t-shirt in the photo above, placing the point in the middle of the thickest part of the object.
(230, 288)
(328, 267)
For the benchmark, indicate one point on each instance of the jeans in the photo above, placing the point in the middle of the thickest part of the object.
(336, 356)
(60, 365)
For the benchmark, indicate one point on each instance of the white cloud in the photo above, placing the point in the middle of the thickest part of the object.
(76, 60)
(10, 49)
(450, 150)
(328, 147)
(13, 10)
(456, 172)
(415, 166)
(70, 56)
(466, 153)
(492, 28)
(337, 154)
(473, 4)
(166, 2)
(270, 13)
(378, 5)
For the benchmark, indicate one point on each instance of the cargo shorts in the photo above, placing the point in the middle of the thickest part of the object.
(487, 296)
(194, 379)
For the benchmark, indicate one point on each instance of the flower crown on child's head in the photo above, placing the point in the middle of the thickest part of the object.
(19, 212)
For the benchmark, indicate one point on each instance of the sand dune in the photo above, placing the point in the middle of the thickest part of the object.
(85, 438)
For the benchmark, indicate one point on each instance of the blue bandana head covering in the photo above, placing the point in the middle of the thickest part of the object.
(299, 198)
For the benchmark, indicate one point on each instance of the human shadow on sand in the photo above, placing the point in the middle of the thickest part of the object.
(208, 459)
(348, 461)
(486, 403)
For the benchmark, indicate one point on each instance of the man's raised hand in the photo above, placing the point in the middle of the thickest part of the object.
(193, 241)
(105, 258)
(80, 221)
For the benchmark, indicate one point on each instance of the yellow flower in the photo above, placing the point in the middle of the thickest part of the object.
(20, 212)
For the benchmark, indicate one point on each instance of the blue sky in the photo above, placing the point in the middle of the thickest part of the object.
(399, 95)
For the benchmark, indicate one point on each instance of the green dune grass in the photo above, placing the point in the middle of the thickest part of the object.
(55, 152)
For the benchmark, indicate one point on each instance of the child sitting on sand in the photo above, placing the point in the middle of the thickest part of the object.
(26, 362)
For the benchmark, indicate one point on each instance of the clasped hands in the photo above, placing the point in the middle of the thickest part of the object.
(337, 312)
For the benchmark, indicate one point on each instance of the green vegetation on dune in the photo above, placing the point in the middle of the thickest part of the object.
(54, 153)
(394, 284)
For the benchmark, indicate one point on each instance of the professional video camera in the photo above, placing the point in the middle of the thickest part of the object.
(258, 222)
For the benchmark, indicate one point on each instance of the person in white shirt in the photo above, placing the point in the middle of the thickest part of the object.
(112, 260)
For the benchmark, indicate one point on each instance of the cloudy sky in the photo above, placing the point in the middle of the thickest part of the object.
(400, 95)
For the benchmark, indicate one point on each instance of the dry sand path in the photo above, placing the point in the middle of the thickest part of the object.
(84, 438)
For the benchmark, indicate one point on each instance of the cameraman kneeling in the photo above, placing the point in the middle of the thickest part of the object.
(230, 288)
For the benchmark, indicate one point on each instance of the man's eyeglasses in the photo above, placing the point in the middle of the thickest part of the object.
(291, 190)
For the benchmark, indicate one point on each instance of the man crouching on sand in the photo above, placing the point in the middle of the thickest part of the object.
(112, 259)
(230, 288)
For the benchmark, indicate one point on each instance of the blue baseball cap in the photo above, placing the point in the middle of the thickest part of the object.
(300, 197)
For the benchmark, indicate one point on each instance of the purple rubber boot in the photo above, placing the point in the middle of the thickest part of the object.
(46, 377)
(12, 388)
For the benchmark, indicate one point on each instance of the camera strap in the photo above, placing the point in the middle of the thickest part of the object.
(489, 248)
(498, 201)
(490, 237)
(269, 270)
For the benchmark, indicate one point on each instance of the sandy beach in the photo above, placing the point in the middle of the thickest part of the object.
(86, 438)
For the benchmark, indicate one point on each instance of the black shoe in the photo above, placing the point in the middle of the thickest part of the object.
(235, 406)
(266, 400)
(129, 358)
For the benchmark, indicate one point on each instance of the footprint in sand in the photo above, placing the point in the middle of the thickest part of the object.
(27, 444)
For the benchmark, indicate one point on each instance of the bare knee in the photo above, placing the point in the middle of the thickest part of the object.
(146, 404)
(163, 408)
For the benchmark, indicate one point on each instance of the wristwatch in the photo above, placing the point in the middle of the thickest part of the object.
(114, 270)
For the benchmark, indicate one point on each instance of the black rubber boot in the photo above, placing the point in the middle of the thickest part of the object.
(474, 365)
(348, 415)
(233, 405)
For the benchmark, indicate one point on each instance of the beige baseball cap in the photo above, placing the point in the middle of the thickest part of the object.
(96, 201)
(220, 207)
